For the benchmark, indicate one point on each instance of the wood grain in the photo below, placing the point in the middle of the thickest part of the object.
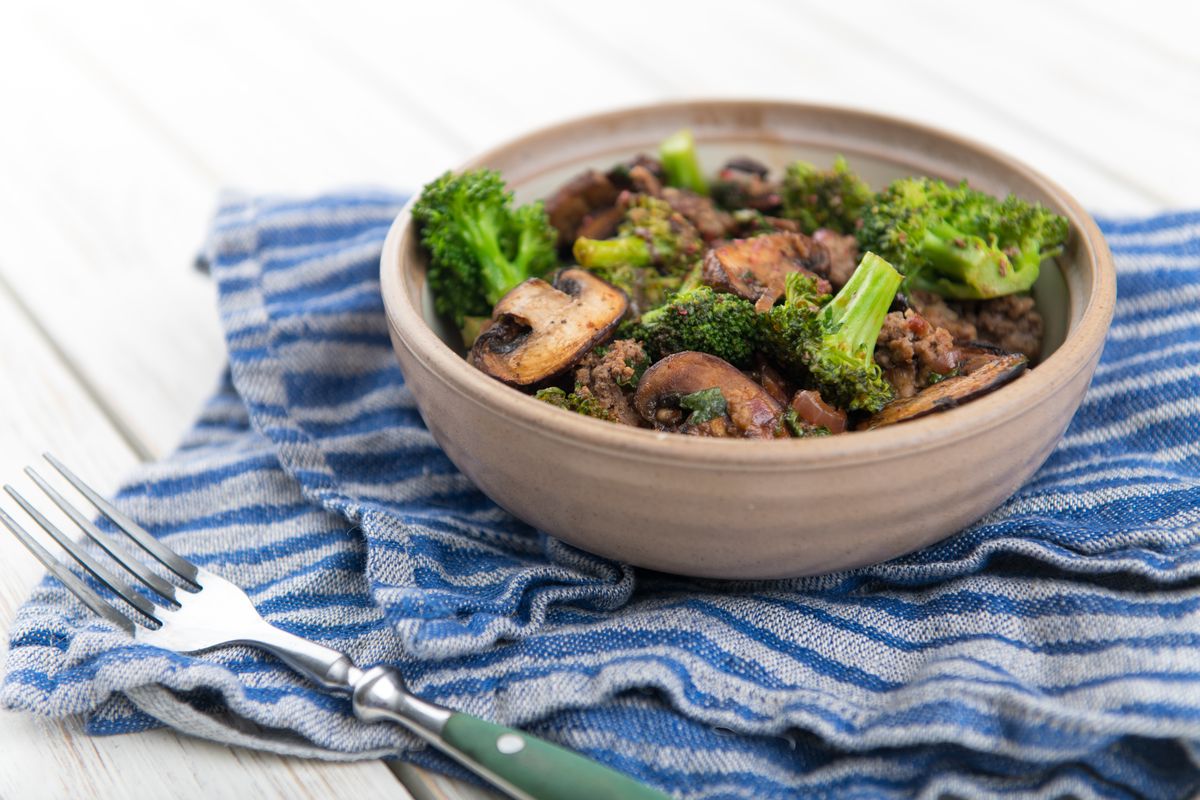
(46, 409)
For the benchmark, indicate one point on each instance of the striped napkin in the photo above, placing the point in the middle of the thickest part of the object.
(1053, 648)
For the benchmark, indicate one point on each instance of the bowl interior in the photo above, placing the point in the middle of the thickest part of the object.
(1075, 295)
(534, 176)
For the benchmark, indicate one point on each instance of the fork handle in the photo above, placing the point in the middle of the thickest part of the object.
(524, 766)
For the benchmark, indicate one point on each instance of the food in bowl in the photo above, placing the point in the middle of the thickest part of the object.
(740, 306)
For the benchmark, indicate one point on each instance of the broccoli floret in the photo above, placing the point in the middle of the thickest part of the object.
(834, 198)
(958, 242)
(581, 401)
(833, 345)
(723, 325)
(480, 245)
(651, 234)
(680, 164)
(654, 253)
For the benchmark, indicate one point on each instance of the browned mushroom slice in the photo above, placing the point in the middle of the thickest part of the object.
(601, 224)
(985, 375)
(757, 268)
(743, 183)
(639, 174)
(843, 255)
(713, 223)
(750, 411)
(585, 194)
(539, 331)
(772, 380)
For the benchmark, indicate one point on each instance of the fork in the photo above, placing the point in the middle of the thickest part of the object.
(208, 611)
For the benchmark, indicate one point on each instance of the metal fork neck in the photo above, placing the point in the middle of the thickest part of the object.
(323, 665)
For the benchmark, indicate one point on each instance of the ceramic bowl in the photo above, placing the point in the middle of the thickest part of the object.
(755, 509)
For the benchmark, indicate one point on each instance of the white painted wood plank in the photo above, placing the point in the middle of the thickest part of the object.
(426, 785)
(485, 71)
(858, 54)
(101, 223)
(44, 408)
(259, 106)
(1076, 88)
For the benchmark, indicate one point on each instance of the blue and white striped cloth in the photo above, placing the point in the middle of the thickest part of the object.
(1053, 648)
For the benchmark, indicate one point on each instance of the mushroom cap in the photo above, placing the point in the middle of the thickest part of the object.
(540, 331)
(751, 409)
(757, 268)
(583, 195)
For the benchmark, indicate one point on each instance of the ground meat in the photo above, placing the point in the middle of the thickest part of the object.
(843, 255)
(612, 377)
(702, 212)
(913, 353)
(1011, 322)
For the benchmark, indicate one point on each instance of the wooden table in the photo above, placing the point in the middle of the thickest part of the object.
(123, 120)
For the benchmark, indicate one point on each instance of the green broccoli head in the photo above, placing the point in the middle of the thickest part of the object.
(833, 345)
(651, 234)
(793, 321)
(479, 244)
(832, 198)
(699, 319)
(958, 242)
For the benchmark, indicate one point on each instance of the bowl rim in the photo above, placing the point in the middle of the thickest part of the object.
(1077, 351)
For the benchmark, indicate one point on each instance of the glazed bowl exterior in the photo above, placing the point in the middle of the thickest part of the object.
(755, 509)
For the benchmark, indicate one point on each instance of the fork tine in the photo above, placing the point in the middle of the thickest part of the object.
(118, 552)
(95, 602)
(165, 555)
(86, 559)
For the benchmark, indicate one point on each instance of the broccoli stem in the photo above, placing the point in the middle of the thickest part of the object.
(499, 274)
(680, 164)
(855, 315)
(624, 250)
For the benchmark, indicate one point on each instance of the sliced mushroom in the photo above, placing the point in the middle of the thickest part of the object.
(586, 194)
(982, 372)
(757, 268)
(843, 255)
(601, 224)
(712, 222)
(640, 174)
(743, 183)
(750, 411)
(772, 380)
(539, 331)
